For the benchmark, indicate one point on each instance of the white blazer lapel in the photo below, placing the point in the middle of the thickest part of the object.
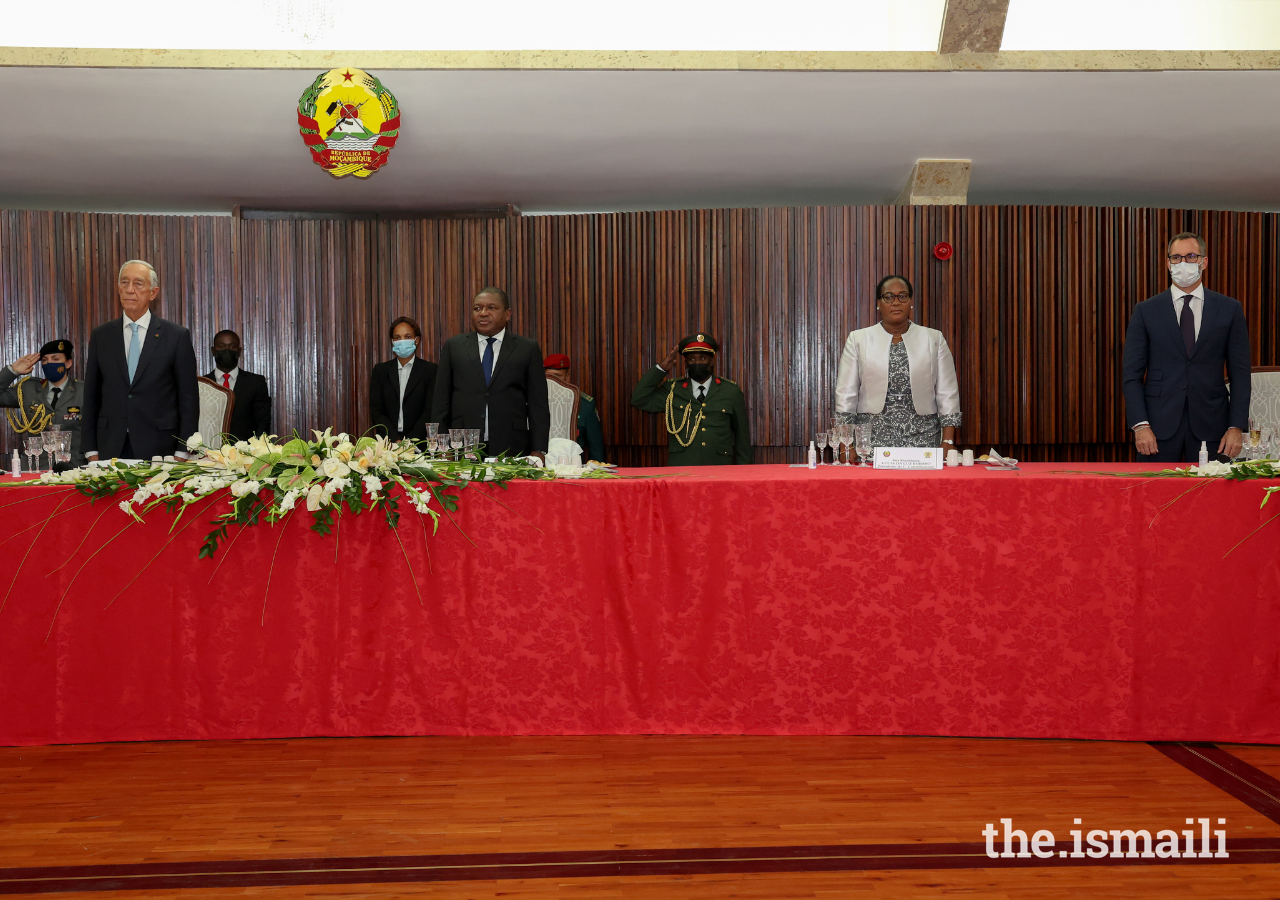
(920, 356)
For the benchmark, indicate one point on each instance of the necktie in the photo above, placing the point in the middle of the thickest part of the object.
(702, 393)
(133, 351)
(53, 405)
(226, 380)
(488, 361)
(1187, 323)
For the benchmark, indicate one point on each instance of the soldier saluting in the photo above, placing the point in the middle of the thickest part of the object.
(705, 416)
(51, 396)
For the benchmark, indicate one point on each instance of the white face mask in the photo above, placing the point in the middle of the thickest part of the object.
(1185, 274)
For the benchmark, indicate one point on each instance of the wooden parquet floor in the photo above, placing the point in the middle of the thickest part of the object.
(633, 816)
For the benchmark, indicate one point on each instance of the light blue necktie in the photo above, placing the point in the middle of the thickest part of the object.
(488, 361)
(133, 351)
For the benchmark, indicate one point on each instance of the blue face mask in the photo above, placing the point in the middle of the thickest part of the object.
(55, 371)
(404, 349)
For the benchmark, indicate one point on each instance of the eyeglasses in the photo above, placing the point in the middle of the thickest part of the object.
(904, 299)
(1187, 257)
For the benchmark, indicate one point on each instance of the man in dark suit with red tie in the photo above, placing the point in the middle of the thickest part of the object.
(140, 396)
(492, 380)
(1174, 353)
(251, 413)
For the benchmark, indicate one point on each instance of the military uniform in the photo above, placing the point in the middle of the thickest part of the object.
(35, 400)
(714, 432)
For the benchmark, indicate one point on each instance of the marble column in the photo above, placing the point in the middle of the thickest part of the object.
(973, 26)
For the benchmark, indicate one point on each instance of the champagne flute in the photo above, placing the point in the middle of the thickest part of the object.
(822, 448)
(433, 429)
(841, 441)
(31, 449)
(456, 440)
(64, 446)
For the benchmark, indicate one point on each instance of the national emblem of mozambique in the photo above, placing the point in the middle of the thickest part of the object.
(349, 122)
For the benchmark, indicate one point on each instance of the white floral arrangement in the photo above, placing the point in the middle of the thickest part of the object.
(330, 475)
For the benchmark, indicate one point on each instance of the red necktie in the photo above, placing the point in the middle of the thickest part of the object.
(226, 380)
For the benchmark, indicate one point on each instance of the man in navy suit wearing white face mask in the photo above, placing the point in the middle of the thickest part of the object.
(1174, 353)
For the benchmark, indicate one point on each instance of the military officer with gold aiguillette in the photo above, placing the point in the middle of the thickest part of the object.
(51, 396)
(705, 416)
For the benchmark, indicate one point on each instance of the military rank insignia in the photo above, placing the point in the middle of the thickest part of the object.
(349, 122)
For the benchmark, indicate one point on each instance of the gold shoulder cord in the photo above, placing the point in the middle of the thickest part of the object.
(28, 424)
(673, 429)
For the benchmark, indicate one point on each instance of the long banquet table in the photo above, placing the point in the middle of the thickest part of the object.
(754, 599)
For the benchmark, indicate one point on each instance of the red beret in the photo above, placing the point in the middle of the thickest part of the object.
(556, 361)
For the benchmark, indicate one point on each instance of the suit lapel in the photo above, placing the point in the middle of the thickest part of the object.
(149, 348)
(471, 350)
(1168, 320)
(416, 374)
(115, 347)
(509, 347)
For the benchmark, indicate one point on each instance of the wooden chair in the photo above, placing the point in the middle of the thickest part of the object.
(564, 400)
(216, 406)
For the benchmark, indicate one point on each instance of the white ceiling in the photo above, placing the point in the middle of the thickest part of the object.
(191, 140)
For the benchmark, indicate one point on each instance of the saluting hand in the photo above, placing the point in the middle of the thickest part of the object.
(25, 364)
(669, 364)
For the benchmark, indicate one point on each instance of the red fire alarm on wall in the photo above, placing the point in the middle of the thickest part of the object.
(943, 250)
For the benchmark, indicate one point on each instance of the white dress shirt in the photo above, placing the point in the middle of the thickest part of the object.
(1197, 304)
(234, 373)
(405, 370)
(497, 348)
(700, 385)
(145, 322)
(1197, 313)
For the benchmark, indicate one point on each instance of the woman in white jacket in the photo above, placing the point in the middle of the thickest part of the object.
(898, 378)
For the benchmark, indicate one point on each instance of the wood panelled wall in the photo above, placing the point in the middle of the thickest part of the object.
(1035, 302)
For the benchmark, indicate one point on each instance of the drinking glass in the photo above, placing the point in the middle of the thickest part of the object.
(31, 449)
(64, 446)
(456, 440)
(822, 448)
(475, 441)
(862, 436)
(433, 428)
(841, 441)
(49, 442)
(845, 439)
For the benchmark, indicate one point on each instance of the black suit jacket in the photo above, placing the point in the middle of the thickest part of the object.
(158, 411)
(1160, 378)
(384, 398)
(519, 417)
(251, 414)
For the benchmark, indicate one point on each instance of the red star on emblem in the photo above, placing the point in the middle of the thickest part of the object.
(347, 76)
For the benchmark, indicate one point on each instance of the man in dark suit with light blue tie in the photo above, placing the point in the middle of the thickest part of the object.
(140, 397)
(1174, 353)
(492, 380)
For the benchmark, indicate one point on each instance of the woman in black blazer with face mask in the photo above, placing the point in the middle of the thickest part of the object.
(400, 389)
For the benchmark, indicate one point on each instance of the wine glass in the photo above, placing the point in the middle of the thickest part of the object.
(474, 434)
(49, 443)
(822, 447)
(862, 437)
(31, 449)
(845, 439)
(433, 429)
(837, 439)
(64, 446)
(456, 440)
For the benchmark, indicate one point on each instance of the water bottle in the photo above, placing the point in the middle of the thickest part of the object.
(1204, 453)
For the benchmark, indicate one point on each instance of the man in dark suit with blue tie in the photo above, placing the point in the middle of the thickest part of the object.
(1174, 353)
(140, 379)
(492, 380)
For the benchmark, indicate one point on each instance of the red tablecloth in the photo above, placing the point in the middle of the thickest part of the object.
(759, 599)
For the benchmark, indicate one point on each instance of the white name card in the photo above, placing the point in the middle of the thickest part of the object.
(908, 457)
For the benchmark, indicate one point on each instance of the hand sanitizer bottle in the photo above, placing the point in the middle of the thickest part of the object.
(1204, 453)
(813, 456)
(15, 467)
